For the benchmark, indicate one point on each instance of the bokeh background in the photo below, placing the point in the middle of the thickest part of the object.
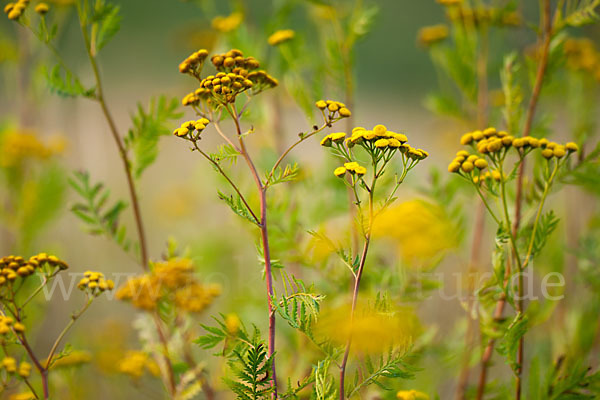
(394, 76)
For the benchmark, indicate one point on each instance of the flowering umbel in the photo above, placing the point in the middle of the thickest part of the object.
(235, 75)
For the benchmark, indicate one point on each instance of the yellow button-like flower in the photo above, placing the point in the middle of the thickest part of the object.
(281, 36)
(382, 143)
(466, 138)
(481, 163)
(572, 146)
(339, 172)
(227, 23)
(411, 395)
(41, 8)
(467, 166)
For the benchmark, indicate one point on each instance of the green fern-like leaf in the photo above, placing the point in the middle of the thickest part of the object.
(510, 341)
(251, 367)
(108, 21)
(237, 206)
(62, 82)
(148, 127)
(94, 211)
(577, 13)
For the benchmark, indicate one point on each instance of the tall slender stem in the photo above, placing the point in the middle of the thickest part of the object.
(117, 138)
(66, 329)
(262, 189)
(357, 279)
(539, 80)
(533, 102)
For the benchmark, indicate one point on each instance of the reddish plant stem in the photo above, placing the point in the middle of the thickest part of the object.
(43, 371)
(265, 243)
(539, 81)
(533, 102)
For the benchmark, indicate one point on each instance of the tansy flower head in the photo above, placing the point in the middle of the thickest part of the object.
(235, 74)
(227, 23)
(95, 283)
(135, 363)
(191, 130)
(232, 324)
(281, 36)
(373, 332)
(14, 11)
(413, 394)
(41, 8)
(171, 280)
(337, 137)
(9, 364)
(24, 369)
(339, 172)
(430, 35)
(333, 109)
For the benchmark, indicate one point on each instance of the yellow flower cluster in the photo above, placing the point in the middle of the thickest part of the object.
(425, 234)
(172, 280)
(411, 395)
(191, 130)
(281, 36)
(235, 74)
(95, 283)
(194, 62)
(492, 143)
(7, 322)
(10, 365)
(381, 139)
(42, 8)
(372, 332)
(135, 363)
(583, 56)
(227, 23)
(232, 324)
(334, 109)
(12, 267)
(18, 146)
(351, 167)
(14, 11)
(467, 162)
(430, 35)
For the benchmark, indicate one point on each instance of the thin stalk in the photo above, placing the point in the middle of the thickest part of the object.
(262, 189)
(539, 80)
(66, 329)
(482, 121)
(233, 185)
(171, 387)
(126, 167)
(117, 139)
(357, 280)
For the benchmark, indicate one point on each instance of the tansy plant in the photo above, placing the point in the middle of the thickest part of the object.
(379, 147)
(228, 92)
(17, 293)
(491, 170)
